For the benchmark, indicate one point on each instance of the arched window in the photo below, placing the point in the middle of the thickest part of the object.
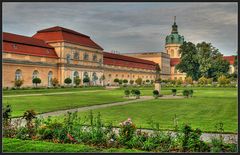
(18, 74)
(94, 78)
(85, 74)
(35, 74)
(68, 58)
(50, 74)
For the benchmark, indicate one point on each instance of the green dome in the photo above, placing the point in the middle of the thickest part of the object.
(174, 37)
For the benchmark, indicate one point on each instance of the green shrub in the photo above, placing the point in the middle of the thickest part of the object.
(86, 80)
(174, 92)
(223, 80)
(188, 80)
(131, 82)
(138, 81)
(137, 93)
(77, 81)
(190, 92)
(116, 80)
(18, 83)
(126, 131)
(120, 82)
(68, 81)
(36, 81)
(127, 92)
(125, 81)
(202, 81)
(186, 93)
(155, 94)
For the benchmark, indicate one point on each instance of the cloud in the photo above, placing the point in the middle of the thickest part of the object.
(128, 27)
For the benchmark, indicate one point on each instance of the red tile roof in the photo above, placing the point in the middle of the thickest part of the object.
(13, 43)
(62, 34)
(126, 61)
(230, 59)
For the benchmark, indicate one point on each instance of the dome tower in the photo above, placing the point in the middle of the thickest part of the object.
(174, 41)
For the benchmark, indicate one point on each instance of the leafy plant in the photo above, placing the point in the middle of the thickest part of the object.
(127, 92)
(137, 93)
(77, 81)
(131, 82)
(155, 94)
(125, 81)
(29, 115)
(186, 93)
(116, 80)
(174, 92)
(55, 82)
(18, 83)
(68, 81)
(138, 81)
(36, 81)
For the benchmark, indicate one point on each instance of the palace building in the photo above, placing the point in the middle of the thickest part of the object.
(60, 53)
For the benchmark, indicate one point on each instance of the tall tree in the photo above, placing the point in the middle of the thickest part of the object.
(211, 62)
(189, 60)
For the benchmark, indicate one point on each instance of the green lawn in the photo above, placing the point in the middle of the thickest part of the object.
(43, 91)
(208, 107)
(16, 145)
(47, 103)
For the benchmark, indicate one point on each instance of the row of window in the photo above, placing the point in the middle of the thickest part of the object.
(85, 74)
(35, 74)
(132, 76)
(85, 57)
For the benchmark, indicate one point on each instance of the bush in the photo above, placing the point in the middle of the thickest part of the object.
(189, 80)
(18, 83)
(223, 80)
(127, 93)
(55, 82)
(68, 81)
(147, 81)
(156, 94)
(120, 82)
(86, 80)
(190, 92)
(131, 82)
(126, 131)
(179, 82)
(125, 81)
(138, 81)
(174, 92)
(202, 80)
(137, 93)
(36, 81)
(116, 80)
(186, 93)
(77, 81)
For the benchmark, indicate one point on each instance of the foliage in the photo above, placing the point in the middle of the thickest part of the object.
(125, 81)
(189, 60)
(55, 82)
(77, 81)
(29, 115)
(36, 81)
(189, 80)
(138, 81)
(127, 92)
(131, 82)
(137, 93)
(156, 94)
(179, 82)
(116, 80)
(126, 131)
(147, 81)
(18, 83)
(202, 80)
(223, 80)
(186, 93)
(174, 92)
(68, 81)
(120, 82)
(86, 80)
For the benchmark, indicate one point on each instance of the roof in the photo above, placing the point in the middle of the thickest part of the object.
(230, 59)
(58, 33)
(18, 44)
(127, 61)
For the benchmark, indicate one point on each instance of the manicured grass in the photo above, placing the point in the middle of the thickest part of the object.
(16, 145)
(43, 91)
(208, 107)
(47, 103)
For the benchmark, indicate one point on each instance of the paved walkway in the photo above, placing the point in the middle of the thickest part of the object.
(56, 93)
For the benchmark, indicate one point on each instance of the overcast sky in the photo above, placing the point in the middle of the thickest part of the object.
(130, 27)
